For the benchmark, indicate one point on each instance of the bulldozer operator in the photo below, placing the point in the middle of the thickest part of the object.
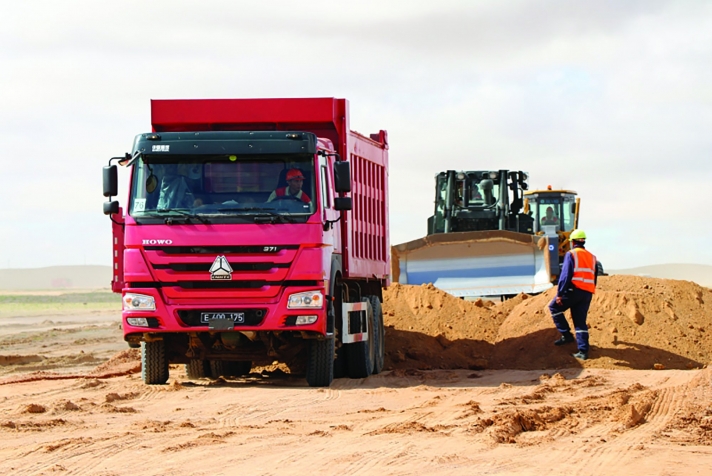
(550, 218)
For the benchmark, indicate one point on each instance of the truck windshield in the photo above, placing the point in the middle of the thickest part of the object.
(223, 186)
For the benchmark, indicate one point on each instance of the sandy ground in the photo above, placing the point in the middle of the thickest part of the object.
(72, 402)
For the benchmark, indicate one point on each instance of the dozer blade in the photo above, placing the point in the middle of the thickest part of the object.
(473, 264)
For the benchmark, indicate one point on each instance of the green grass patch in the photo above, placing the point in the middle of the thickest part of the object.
(76, 298)
(42, 303)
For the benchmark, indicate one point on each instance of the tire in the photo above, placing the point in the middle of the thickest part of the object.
(360, 355)
(379, 335)
(218, 368)
(239, 369)
(154, 364)
(340, 363)
(197, 368)
(320, 363)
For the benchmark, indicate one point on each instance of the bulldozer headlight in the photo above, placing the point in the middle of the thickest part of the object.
(311, 299)
(138, 302)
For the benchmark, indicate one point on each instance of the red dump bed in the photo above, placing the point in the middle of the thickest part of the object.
(364, 230)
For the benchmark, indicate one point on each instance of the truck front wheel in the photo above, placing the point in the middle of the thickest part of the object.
(154, 364)
(320, 363)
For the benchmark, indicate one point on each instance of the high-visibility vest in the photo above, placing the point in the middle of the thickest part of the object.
(281, 192)
(584, 270)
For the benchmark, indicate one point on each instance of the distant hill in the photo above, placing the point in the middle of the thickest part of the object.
(698, 273)
(56, 278)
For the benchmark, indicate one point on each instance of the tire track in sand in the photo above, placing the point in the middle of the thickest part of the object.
(235, 416)
(602, 459)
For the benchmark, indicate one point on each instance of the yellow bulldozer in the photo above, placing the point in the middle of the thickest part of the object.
(489, 236)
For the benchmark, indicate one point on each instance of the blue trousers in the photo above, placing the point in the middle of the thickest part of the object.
(578, 301)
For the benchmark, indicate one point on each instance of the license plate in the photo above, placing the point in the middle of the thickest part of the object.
(235, 317)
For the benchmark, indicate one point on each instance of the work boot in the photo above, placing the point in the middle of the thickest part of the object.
(581, 355)
(564, 339)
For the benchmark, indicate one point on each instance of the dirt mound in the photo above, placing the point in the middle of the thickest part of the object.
(635, 322)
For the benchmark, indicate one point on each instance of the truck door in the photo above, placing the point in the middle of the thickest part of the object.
(326, 198)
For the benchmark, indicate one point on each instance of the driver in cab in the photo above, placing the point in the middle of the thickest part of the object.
(293, 190)
(550, 218)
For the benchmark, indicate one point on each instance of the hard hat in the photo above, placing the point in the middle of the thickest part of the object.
(294, 174)
(577, 235)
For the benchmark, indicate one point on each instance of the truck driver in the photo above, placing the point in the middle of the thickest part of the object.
(293, 190)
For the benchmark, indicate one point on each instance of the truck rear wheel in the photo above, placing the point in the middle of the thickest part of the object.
(239, 368)
(379, 341)
(218, 368)
(320, 363)
(154, 364)
(197, 368)
(361, 355)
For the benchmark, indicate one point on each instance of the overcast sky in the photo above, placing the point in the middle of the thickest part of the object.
(612, 99)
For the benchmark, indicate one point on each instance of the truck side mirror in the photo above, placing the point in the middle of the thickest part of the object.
(342, 203)
(111, 181)
(111, 208)
(342, 177)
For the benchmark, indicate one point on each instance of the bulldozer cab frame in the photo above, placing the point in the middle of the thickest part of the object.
(554, 212)
(557, 208)
(480, 200)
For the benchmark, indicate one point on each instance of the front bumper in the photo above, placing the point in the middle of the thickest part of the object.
(258, 316)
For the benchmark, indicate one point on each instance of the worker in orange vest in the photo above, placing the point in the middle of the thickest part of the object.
(577, 284)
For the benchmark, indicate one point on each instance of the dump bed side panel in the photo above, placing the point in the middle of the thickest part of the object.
(366, 227)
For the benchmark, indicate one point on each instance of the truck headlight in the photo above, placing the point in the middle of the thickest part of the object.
(305, 320)
(311, 299)
(138, 302)
(137, 321)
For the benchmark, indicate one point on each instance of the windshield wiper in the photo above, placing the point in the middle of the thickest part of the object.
(266, 215)
(272, 217)
(188, 217)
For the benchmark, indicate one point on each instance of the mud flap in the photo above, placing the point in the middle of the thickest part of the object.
(359, 345)
(355, 321)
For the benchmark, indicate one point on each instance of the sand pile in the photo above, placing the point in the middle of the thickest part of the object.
(635, 322)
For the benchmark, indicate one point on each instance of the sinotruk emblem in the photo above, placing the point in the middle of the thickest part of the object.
(221, 269)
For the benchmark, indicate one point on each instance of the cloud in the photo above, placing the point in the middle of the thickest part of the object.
(611, 99)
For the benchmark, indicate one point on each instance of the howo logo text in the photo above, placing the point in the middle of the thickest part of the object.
(157, 242)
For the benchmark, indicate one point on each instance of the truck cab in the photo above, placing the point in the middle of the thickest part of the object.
(238, 247)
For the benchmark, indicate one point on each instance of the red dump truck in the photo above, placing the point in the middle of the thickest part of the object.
(255, 231)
